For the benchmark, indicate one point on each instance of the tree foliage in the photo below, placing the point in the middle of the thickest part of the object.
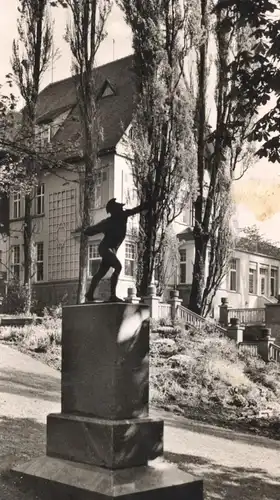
(230, 151)
(258, 80)
(253, 241)
(31, 56)
(162, 147)
(85, 35)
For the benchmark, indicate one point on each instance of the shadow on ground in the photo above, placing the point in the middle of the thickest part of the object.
(225, 483)
(29, 385)
(21, 439)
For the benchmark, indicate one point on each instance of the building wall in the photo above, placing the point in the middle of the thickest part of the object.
(242, 296)
(56, 229)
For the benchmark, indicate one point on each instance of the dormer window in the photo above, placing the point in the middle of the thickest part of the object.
(45, 133)
(107, 90)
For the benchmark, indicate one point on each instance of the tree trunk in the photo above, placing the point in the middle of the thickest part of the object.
(83, 255)
(27, 245)
(201, 222)
(83, 263)
(148, 252)
(198, 284)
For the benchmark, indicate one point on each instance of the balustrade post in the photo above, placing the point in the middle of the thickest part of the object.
(131, 296)
(224, 307)
(235, 331)
(174, 301)
(152, 301)
(264, 344)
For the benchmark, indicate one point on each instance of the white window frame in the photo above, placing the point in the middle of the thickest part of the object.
(275, 280)
(98, 190)
(40, 199)
(253, 272)
(130, 259)
(93, 256)
(39, 261)
(16, 266)
(16, 205)
(234, 268)
(192, 214)
(183, 266)
(45, 133)
(263, 278)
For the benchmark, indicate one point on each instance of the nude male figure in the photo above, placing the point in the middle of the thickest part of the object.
(114, 230)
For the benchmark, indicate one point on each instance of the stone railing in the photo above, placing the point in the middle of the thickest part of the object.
(164, 310)
(173, 309)
(246, 315)
(263, 347)
(192, 319)
(274, 352)
(249, 347)
(158, 309)
(189, 317)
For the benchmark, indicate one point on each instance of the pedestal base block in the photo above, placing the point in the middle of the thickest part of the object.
(114, 444)
(56, 478)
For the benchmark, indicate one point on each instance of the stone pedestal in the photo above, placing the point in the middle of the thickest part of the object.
(105, 365)
(101, 444)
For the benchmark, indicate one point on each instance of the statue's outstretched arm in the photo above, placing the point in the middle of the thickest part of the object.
(137, 210)
(142, 207)
(100, 227)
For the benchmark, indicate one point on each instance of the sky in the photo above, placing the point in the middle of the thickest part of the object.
(257, 194)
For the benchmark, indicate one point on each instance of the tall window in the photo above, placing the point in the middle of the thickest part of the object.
(252, 278)
(39, 261)
(157, 268)
(183, 265)
(45, 134)
(16, 262)
(274, 282)
(16, 205)
(233, 278)
(98, 190)
(130, 256)
(192, 214)
(263, 280)
(93, 258)
(40, 199)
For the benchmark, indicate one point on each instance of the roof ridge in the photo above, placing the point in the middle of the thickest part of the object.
(97, 67)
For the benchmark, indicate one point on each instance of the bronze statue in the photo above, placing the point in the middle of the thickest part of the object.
(114, 230)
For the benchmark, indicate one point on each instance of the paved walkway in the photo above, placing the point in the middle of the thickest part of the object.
(234, 466)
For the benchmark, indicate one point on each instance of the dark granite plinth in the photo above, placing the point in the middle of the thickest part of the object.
(105, 360)
(105, 443)
(58, 479)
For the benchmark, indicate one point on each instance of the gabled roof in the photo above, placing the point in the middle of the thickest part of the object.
(115, 111)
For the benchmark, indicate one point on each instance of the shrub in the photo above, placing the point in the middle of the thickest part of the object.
(15, 300)
(37, 339)
(207, 376)
(52, 320)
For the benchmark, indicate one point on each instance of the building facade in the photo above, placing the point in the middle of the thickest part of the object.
(252, 279)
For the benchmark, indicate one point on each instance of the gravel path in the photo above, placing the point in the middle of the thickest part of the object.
(234, 466)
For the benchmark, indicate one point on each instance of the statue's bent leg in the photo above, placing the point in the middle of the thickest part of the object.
(101, 272)
(114, 278)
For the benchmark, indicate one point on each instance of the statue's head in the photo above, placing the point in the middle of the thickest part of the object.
(113, 207)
